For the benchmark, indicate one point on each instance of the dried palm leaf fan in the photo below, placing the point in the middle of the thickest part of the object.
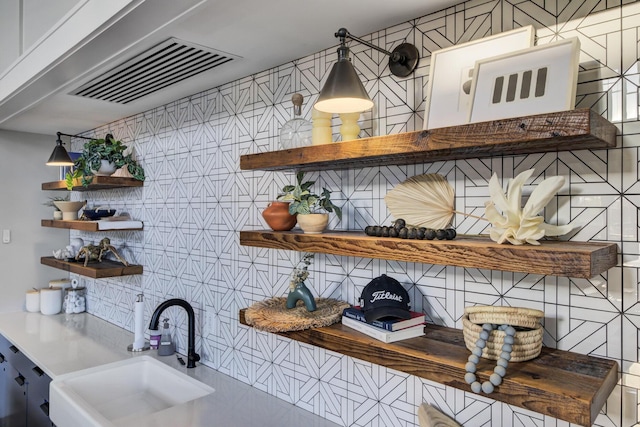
(423, 201)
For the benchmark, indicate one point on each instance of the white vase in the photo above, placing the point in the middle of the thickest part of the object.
(106, 168)
(313, 223)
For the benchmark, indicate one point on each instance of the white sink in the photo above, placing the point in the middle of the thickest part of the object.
(111, 394)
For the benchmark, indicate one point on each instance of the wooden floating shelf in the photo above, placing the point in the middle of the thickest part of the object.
(100, 270)
(556, 258)
(79, 225)
(563, 131)
(569, 386)
(99, 183)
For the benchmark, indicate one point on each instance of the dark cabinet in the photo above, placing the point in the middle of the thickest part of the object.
(24, 389)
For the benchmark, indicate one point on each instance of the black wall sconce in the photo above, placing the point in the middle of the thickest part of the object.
(343, 91)
(59, 156)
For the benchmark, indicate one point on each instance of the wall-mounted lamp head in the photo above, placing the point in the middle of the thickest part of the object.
(59, 156)
(343, 91)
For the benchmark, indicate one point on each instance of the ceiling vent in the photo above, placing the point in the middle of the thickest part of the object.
(163, 65)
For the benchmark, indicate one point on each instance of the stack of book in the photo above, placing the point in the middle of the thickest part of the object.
(386, 330)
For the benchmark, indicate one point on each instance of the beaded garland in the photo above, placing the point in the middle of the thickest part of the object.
(501, 366)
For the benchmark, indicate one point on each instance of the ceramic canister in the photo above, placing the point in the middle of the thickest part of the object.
(32, 301)
(50, 300)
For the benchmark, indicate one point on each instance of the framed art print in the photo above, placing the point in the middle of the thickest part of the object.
(541, 79)
(448, 97)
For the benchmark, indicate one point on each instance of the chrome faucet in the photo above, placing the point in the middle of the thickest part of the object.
(192, 356)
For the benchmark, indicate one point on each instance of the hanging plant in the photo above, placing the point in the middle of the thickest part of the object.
(96, 150)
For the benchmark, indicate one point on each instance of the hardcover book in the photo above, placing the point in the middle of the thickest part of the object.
(389, 324)
(381, 334)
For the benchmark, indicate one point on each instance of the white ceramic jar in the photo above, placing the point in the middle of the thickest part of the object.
(50, 300)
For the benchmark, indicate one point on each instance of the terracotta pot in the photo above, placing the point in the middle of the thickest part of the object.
(313, 223)
(278, 217)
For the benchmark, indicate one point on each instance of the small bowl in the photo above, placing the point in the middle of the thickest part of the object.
(94, 214)
(69, 209)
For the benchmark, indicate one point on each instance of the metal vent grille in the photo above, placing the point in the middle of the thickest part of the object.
(163, 65)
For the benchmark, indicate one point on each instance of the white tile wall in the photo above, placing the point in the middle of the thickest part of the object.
(196, 199)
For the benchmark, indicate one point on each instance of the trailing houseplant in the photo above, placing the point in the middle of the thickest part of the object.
(95, 152)
(307, 205)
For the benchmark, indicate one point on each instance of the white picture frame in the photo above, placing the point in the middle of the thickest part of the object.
(448, 96)
(538, 80)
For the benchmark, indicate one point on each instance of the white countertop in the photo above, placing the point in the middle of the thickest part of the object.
(70, 342)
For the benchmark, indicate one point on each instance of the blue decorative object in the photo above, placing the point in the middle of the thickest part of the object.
(297, 289)
(301, 292)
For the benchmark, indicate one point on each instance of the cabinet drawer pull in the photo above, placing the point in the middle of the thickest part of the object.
(19, 379)
(39, 372)
(45, 408)
(14, 348)
(1, 358)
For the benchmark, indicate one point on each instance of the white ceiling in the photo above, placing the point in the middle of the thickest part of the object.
(263, 33)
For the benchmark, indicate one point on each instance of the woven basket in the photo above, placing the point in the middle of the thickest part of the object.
(527, 340)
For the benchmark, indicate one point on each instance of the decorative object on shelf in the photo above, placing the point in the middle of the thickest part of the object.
(296, 132)
(429, 416)
(313, 223)
(106, 168)
(303, 203)
(514, 224)
(321, 127)
(57, 213)
(272, 315)
(504, 334)
(425, 200)
(60, 156)
(277, 216)
(384, 297)
(402, 230)
(96, 252)
(537, 80)
(65, 253)
(343, 91)
(99, 151)
(298, 291)
(449, 96)
(97, 213)
(76, 243)
(69, 208)
(64, 170)
(349, 129)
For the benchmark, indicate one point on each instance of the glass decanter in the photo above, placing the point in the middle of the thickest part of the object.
(297, 131)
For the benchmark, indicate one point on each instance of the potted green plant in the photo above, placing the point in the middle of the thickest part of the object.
(98, 154)
(308, 206)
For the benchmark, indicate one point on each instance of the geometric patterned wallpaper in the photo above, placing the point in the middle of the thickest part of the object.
(196, 199)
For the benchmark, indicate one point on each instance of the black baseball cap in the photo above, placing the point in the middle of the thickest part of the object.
(384, 296)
